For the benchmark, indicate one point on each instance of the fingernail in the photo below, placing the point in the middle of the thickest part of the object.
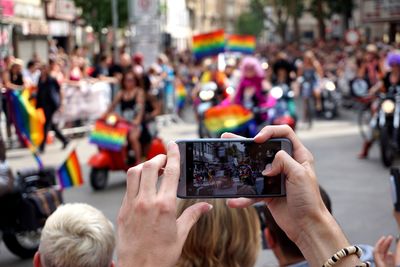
(210, 207)
(267, 169)
(170, 143)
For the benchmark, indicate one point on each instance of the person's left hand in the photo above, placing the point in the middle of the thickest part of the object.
(149, 232)
(382, 256)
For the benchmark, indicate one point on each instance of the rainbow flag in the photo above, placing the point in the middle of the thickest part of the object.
(208, 44)
(109, 137)
(180, 96)
(231, 118)
(28, 120)
(69, 173)
(245, 44)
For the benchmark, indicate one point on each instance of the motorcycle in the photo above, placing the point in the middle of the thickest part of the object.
(114, 153)
(26, 208)
(329, 99)
(210, 95)
(284, 109)
(389, 124)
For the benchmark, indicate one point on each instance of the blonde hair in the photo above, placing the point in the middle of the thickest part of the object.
(224, 237)
(77, 235)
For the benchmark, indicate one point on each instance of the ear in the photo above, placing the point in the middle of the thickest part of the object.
(268, 237)
(36, 260)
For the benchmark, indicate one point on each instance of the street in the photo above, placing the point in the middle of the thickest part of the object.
(359, 189)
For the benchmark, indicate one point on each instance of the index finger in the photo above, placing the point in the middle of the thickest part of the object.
(169, 183)
(300, 152)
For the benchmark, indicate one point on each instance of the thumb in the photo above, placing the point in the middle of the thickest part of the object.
(190, 216)
(282, 163)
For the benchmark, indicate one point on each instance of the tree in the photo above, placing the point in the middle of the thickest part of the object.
(320, 13)
(252, 21)
(342, 7)
(326, 8)
(98, 13)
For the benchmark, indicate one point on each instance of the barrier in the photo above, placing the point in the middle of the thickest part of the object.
(85, 102)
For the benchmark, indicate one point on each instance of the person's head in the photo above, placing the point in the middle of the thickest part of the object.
(129, 81)
(44, 71)
(162, 59)
(31, 66)
(251, 67)
(222, 237)
(309, 57)
(76, 235)
(371, 52)
(105, 60)
(393, 60)
(285, 249)
(16, 66)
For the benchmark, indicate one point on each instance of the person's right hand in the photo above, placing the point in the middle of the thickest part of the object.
(302, 214)
(302, 189)
(382, 256)
(149, 232)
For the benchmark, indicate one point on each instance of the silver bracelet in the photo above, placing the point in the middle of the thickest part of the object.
(344, 253)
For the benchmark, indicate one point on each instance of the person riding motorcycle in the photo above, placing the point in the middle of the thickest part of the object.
(249, 93)
(131, 100)
(311, 71)
(390, 82)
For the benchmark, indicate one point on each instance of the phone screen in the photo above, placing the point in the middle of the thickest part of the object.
(229, 168)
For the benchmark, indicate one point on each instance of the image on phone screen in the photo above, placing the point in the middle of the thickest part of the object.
(231, 168)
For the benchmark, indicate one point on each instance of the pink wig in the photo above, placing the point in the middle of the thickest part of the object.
(250, 61)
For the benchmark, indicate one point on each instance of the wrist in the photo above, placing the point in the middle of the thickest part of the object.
(321, 239)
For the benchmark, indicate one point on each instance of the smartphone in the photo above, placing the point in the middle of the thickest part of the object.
(395, 187)
(229, 168)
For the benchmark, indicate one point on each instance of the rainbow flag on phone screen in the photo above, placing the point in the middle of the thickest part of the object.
(245, 44)
(208, 44)
(231, 118)
(69, 173)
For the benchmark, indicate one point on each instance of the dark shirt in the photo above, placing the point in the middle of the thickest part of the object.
(49, 95)
(16, 79)
(390, 87)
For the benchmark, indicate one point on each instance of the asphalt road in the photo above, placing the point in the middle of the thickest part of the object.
(359, 189)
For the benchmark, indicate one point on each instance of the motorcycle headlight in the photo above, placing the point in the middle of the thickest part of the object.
(388, 106)
(230, 90)
(206, 95)
(276, 92)
(330, 86)
(111, 120)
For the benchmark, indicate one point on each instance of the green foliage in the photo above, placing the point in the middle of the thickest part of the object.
(252, 21)
(98, 13)
(247, 23)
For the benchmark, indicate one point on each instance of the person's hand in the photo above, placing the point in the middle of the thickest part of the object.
(382, 256)
(149, 234)
(303, 196)
(302, 214)
(396, 215)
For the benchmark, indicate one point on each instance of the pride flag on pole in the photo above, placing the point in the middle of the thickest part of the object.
(28, 120)
(233, 118)
(69, 173)
(208, 44)
(245, 44)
